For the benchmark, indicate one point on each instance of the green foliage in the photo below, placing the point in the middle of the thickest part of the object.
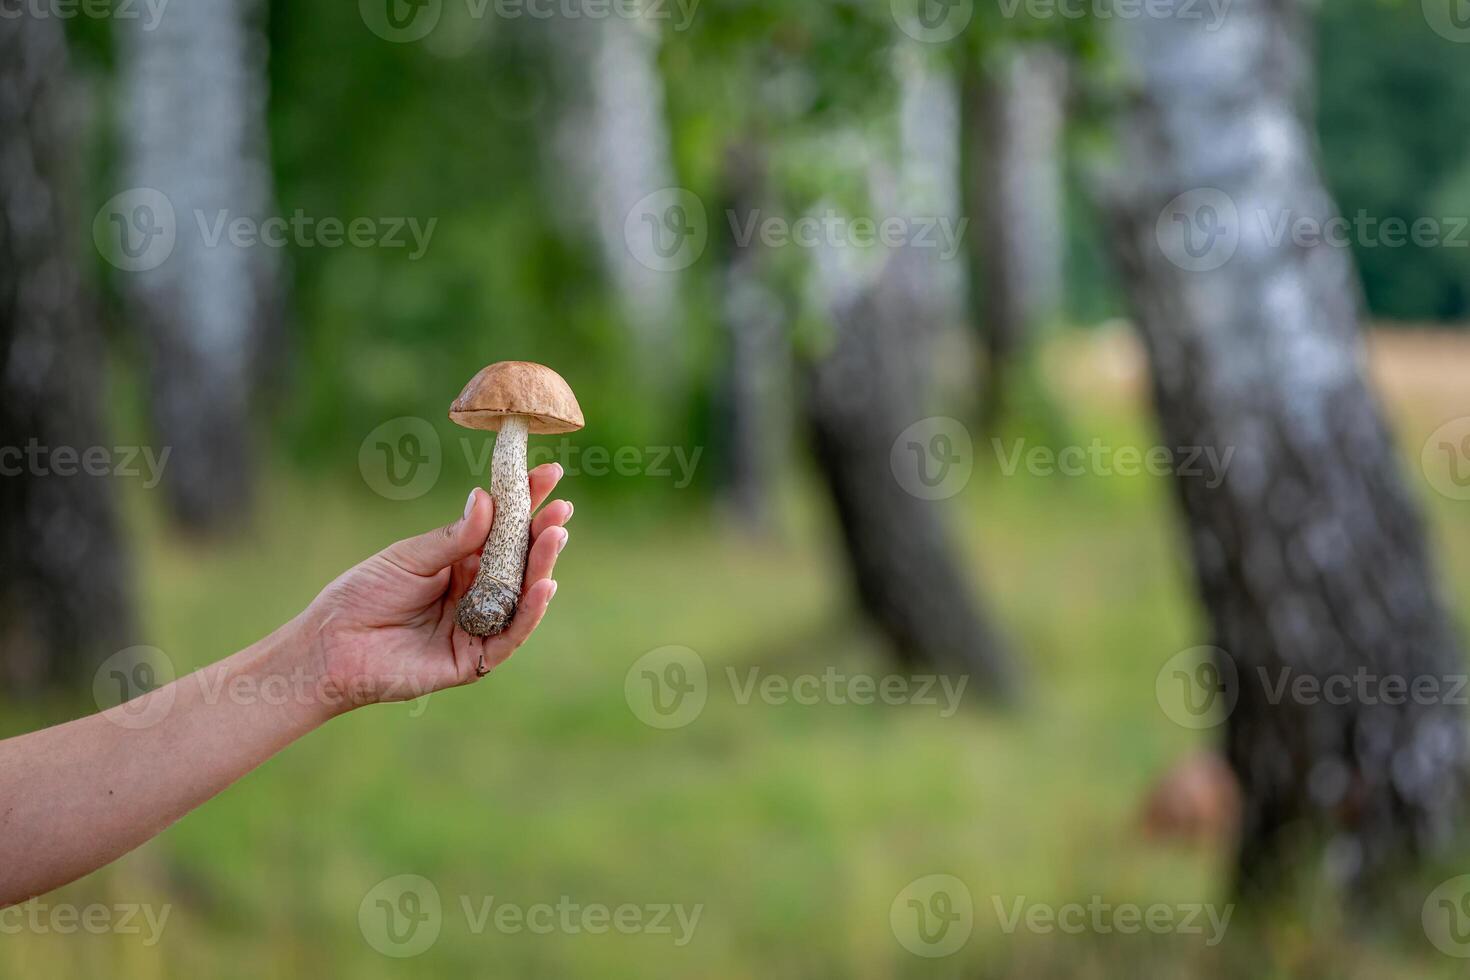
(457, 128)
(461, 133)
(1394, 113)
(362, 127)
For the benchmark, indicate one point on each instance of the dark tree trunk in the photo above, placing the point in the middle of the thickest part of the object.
(1012, 115)
(64, 605)
(195, 92)
(752, 391)
(1310, 556)
(857, 400)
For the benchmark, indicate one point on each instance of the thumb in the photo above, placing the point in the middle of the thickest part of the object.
(433, 551)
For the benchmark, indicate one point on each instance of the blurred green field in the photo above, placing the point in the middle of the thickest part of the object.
(793, 826)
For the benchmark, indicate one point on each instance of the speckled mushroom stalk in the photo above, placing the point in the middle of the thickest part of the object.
(490, 603)
(516, 399)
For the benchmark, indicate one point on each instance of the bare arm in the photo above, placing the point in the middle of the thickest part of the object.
(79, 795)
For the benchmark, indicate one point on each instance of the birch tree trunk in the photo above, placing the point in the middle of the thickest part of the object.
(613, 141)
(1310, 556)
(874, 383)
(194, 92)
(753, 389)
(858, 398)
(1013, 118)
(64, 601)
(929, 184)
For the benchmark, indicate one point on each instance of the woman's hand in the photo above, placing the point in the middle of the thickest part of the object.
(80, 794)
(384, 630)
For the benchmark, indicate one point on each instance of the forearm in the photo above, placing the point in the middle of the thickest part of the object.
(74, 797)
(79, 795)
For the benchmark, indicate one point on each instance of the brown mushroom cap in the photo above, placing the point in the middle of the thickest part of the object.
(518, 388)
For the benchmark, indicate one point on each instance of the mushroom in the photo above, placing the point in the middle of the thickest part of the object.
(513, 399)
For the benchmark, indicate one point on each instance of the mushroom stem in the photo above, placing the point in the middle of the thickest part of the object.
(490, 603)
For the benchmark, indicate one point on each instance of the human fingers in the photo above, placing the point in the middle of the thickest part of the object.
(554, 514)
(544, 479)
(529, 613)
(430, 553)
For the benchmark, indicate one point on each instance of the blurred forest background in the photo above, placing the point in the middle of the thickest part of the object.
(801, 457)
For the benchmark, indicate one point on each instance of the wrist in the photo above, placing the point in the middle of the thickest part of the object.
(289, 661)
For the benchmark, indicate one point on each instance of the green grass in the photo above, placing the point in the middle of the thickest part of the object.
(793, 826)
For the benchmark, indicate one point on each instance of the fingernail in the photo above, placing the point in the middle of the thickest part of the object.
(564, 538)
(571, 509)
(553, 591)
(560, 471)
(469, 504)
